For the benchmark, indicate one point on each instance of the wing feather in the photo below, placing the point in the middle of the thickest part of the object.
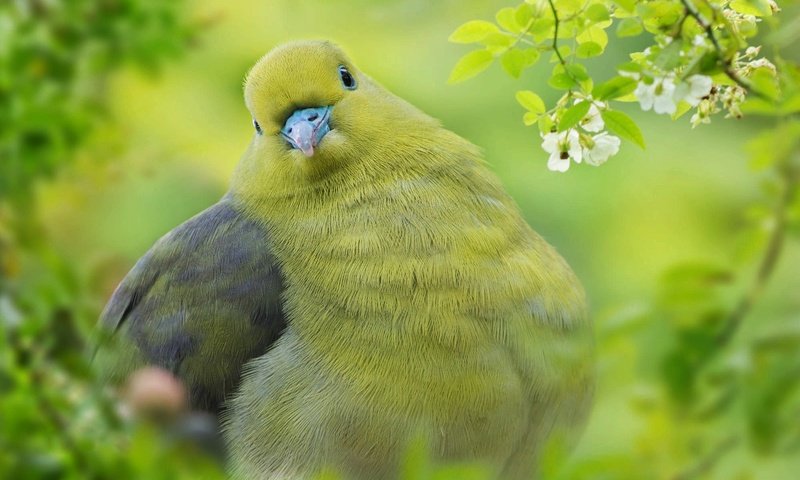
(202, 302)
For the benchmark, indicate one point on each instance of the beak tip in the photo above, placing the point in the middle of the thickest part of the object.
(305, 128)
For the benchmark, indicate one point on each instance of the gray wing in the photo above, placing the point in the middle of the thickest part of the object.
(202, 302)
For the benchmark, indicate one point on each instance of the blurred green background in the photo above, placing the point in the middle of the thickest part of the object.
(169, 137)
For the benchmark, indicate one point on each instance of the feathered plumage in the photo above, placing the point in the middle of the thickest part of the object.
(417, 302)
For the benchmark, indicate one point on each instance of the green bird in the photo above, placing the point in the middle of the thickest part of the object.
(365, 283)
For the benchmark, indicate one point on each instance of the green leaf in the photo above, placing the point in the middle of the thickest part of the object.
(764, 81)
(530, 118)
(791, 105)
(629, 98)
(568, 30)
(568, 7)
(632, 67)
(473, 31)
(759, 106)
(470, 65)
(573, 115)
(628, 5)
(774, 146)
(680, 109)
(530, 101)
(506, 18)
(629, 27)
(542, 28)
(623, 126)
(593, 34)
(597, 12)
(659, 15)
(615, 88)
(578, 71)
(758, 8)
(514, 61)
(497, 43)
(570, 78)
(561, 81)
(709, 63)
(523, 15)
(670, 56)
(545, 124)
(588, 50)
(564, 50)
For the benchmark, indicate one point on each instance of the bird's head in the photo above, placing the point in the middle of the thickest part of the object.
(315, 112)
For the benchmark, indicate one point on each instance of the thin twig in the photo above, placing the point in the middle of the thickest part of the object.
(555, 42)
(768, 262)
(521, 36)
(517, 40)
(707, 463)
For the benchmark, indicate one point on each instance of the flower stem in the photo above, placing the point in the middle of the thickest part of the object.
(555, 42)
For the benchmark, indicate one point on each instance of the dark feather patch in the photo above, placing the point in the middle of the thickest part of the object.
(201, 303)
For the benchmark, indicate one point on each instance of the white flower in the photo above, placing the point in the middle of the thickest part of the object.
(694, 89)
(773, 6)
(705, 109)
(605, 146)
(592, 122)
(562, 146)
(699, 41)
(658, 95)
(752, 52)
(699, 118)
(761, 63)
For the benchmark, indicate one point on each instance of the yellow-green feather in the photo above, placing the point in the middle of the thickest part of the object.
(419, 302)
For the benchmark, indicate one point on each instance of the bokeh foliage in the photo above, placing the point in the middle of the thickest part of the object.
(56, 59)
(709, 393)
(96, 161)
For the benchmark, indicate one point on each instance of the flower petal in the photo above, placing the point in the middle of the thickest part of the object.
(558, 164)
(550, 143)
(645, 93)
(593, 122)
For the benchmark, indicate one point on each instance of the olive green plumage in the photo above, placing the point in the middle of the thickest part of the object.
(418, 303)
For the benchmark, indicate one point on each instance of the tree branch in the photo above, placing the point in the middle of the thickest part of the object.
(708, 462)
(555, 42)
(767, 264)
(726, 62)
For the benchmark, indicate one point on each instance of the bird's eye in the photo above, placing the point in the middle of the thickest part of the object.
(347, 79)
(257, 126)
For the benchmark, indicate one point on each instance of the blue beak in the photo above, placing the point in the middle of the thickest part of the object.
(305, 128)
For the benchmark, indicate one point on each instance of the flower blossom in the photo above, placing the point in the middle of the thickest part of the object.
(659, 95)
(694, 89)
(592, 122)
(602, 147)
(562, 147)
(663, 95)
